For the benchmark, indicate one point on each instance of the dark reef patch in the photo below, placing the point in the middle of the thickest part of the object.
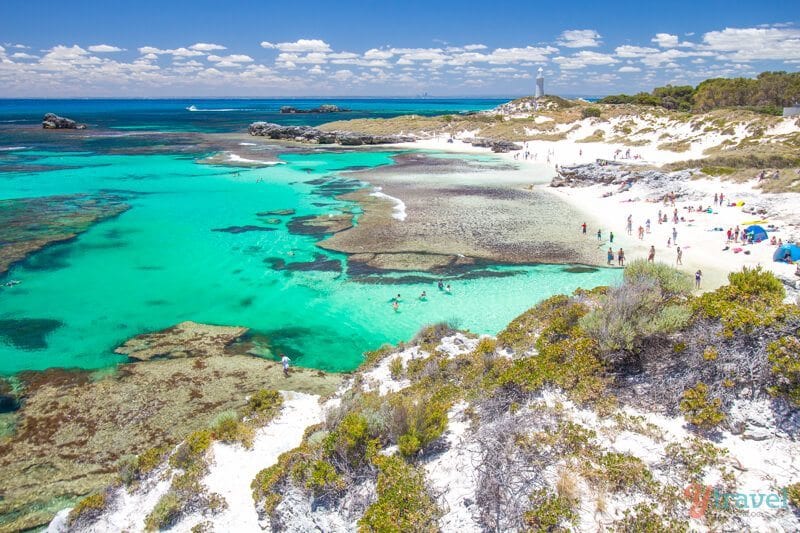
(580, 269)
(321, 263)
(276, 213)
(242, 229)
(28, 333)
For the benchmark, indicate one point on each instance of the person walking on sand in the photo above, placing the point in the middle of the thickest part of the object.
(285, 362)
(651, 257)
(583, 228)
(599, 235)
(679, 259)
(629, 227)
(674, 235)
(610, 256)
(621, 258)
(697, 277)
(721, 198)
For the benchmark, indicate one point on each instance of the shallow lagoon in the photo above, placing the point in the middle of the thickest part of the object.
(161, 262)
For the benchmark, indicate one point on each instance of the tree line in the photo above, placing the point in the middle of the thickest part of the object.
(768, 93)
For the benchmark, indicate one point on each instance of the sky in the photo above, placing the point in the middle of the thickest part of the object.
(174, 48)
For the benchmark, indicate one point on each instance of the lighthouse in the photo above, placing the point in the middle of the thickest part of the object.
(540, 83)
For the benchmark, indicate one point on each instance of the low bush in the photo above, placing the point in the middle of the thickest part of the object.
(403, 502)
(418, 420)
(396, 367)
(88, 508)
(137, 468)
(230, 429)
(550, 512)
(591, 112)
(793, 493)
(264, 403)
(701, 410)
(784, 354)
(192, 450)
(165, 514)
(643, 518)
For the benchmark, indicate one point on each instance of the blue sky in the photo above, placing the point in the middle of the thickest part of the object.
(347, 48)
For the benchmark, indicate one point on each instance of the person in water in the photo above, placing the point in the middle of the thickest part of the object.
(447, 290)
(441, 285)
(285, 362)
(397, 298)
(423, 296)
(396, 306)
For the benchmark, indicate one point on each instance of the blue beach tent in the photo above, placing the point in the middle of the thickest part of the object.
(792, 250)
(759, 233)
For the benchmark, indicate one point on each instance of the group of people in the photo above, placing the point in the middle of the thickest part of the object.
(423, 297)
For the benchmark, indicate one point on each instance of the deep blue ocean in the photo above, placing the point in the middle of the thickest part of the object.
(222, 115)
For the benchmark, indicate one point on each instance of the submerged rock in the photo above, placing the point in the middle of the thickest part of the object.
(51, 121)
(187, 339)
(313, 135)
(324, 108)
(496, 145)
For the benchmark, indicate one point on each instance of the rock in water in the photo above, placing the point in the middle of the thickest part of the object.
(51, 121)
(313, 135)
(187, 339)
(324, 108)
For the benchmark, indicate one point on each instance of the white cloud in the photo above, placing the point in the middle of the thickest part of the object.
(104, 48)
(750, 44)
(627, 50)
(583, 59)
(473, 47)
(342, 75)
(579, 39)
(23, 55)
(629, 69)
(300, 45)
(207, 47)
(665, 40)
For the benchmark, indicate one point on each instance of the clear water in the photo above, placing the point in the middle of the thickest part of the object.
(160, 263)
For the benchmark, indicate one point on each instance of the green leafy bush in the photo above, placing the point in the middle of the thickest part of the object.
(784, 354)
(793, 492)
(403, 501)
(165, 514)
(192, 449)
(264, 403)
(230, 429)
(591, 112)
(418, 420)
(699, 409)
(550, 512)
(643, 519)
(752, 299)
(396, 367)
(136, 469)
(619, 472)
(88, 508)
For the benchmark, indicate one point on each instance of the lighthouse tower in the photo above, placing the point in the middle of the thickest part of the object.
(540, 83)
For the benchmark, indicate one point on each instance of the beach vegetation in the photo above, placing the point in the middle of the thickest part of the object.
(793, 493)
(591, 112)
(418, 421)
(396, 367)
(701, 410)
(88, 508)
(165, 514)
(138, 468)
(618, 472)
(403, 502)
(192, 450)
(550, 512)
(784, 355)
(229, 428)
(642, 517)
(717, 171)
(263, 404)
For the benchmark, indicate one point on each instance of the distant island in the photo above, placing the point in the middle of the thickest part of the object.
(324, 108)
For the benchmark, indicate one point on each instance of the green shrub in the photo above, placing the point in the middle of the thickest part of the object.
(752, 299)
(396, 367)
(403, 502)
(165, 514)
(619, 472)
(264, 403)
(710, 353)
(418, 420)
(323, 476)
(230, 429)
(784, 354)
(717, 171)
(793, 493)
(590, 112)
(88, 508)
(643, 519)
(136, 469)
(352, 440)
(192, 449)
(550, 512)
(672, 283)
(699, 409)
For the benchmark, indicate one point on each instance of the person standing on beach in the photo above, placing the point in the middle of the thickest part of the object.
(285, 362)
(621, 258)
(659, 216)
(679, 260)
(651, 257)
(647, 225)
(610, 256)
(583, 227)
(721, 197)
(697, 277)
(629, 227)
(716, 198)
(599, 235)
(611, 237)
(674, 235)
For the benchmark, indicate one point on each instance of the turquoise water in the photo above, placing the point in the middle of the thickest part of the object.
(160, 263)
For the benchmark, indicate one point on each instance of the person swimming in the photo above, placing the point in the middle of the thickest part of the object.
(396, 306)
(441, 285)
(447, 290)
(423, 296)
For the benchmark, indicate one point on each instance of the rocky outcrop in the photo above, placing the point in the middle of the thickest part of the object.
(324, 108)
(51, 121)
(608, 173)
(496, 145)
(187, 339)
(308, 134)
